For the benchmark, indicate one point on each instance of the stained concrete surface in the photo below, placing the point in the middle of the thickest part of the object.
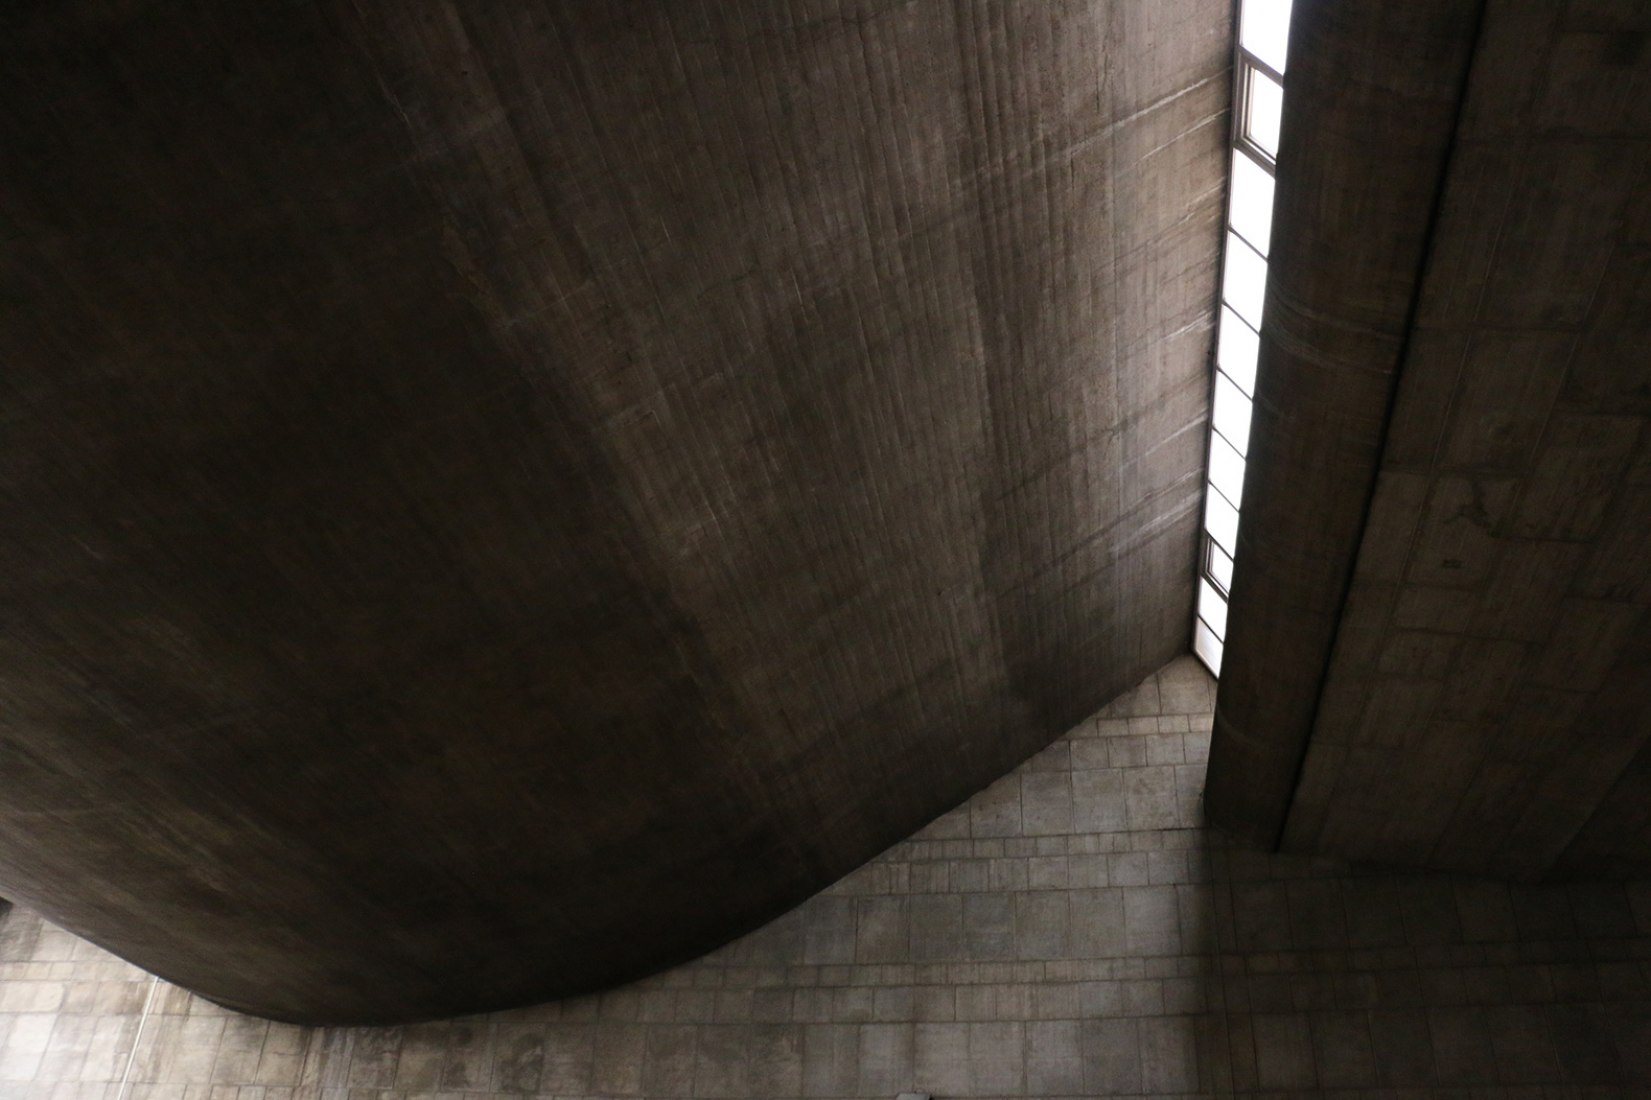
(497, 499)
(1491, 684)
(1438, 654)
(1371, 95)
(1071, 931)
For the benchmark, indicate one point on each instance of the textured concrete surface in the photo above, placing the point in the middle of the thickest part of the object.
(1070, 932)
(1449, 480)
(494, 499)
(1370, 99)
(1491, 683)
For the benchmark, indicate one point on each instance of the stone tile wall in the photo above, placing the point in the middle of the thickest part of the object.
(1070, 931)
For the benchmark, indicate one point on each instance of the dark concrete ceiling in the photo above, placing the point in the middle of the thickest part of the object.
(498, 498)
(1441, 649)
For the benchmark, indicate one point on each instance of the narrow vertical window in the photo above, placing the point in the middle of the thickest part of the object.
(1258, 109)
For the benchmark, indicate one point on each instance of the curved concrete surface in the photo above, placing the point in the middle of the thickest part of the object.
(1371, 102)
(498, 500)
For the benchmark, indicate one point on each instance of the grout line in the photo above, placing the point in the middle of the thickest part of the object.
(125, 1089)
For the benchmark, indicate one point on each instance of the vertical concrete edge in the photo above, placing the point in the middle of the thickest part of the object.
(1373, 102)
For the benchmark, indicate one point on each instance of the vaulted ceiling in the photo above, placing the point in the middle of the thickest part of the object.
(498, 498)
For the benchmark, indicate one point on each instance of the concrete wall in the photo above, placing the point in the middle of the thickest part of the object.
(1370, 102)
(1071, 931)
(495, 499)
(1492, 674)
(1451, 464)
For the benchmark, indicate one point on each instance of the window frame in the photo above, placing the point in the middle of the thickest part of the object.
(1247, 68)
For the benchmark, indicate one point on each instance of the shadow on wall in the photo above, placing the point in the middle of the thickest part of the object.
(1326, 979)
(1070, 931)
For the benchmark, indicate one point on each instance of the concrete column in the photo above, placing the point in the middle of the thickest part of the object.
(1372, 95)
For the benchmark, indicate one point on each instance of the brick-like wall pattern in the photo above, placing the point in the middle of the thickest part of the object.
(1070, 931)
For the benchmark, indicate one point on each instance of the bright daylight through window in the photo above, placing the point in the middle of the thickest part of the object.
(1258, 104)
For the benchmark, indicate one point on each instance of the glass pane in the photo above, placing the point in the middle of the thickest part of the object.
(1264, 111)
(1244, 282)
(1212, 608)
(1226, 469)
(1236, 349)
(1208, 647)
(1221, 521)
(1232, 414)
(1252, 201)
(1264, 30)
(1218, 565)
